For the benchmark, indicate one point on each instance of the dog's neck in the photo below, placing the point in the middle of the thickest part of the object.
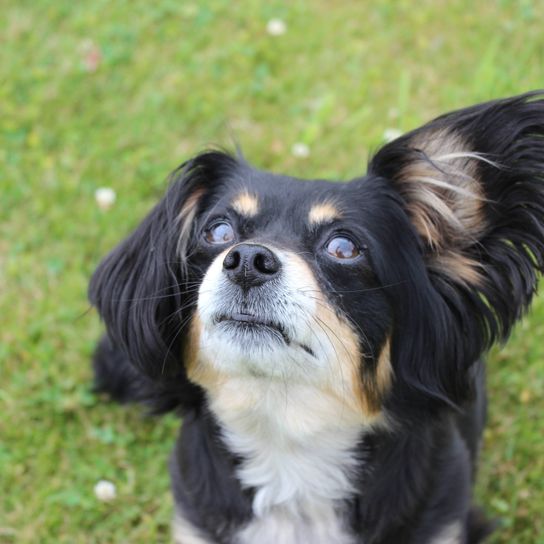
(299, 454)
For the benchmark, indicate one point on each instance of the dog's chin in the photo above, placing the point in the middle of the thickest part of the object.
(249, 345)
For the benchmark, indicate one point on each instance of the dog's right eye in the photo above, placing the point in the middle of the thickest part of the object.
(342, 248)
(219, 233)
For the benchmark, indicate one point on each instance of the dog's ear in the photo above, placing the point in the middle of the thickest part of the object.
(141, 289)
(472, 185)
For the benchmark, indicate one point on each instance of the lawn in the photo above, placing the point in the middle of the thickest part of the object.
(116, 94)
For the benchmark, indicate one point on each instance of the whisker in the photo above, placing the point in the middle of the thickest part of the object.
(366, 290)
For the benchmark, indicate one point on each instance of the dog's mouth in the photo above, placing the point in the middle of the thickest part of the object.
(254, 324)
(257, 326)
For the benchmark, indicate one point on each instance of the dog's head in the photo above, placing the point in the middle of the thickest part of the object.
(385, 288)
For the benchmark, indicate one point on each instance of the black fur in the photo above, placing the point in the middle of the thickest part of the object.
(416, 476)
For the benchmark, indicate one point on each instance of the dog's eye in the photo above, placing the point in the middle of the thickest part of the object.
(219, 233)
(341, 247)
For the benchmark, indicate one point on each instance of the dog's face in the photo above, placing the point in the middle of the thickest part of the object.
(379, 291)
(287, 287)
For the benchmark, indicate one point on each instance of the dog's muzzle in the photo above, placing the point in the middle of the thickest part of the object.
(258, 310)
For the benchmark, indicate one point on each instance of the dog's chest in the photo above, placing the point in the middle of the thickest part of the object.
(299, 457)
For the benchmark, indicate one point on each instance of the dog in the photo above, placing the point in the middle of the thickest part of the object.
(322, 340)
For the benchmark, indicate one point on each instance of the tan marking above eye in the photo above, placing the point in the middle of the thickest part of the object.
(246, 204)
(325, 212)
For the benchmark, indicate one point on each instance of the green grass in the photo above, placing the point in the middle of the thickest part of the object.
(173, 78)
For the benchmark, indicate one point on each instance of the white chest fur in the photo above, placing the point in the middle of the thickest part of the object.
(298, 449)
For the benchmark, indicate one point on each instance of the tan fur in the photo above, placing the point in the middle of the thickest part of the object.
(445, 196)
(377, 383)
(200, 371)
(192, 346)
(246, 204)
(458, 267)
(346, 382)
(384, 370)
(324, 212)
(186, 217)
(347, 362)
(445, 201)
(362, 390)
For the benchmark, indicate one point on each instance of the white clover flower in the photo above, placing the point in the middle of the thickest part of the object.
(105, 491)
(300, 150)
(105, 197)
(276, 27)
(390, 134)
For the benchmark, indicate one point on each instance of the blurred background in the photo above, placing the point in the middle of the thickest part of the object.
(115, 95)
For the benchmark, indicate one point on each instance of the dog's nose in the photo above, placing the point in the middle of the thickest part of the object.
(250, 265)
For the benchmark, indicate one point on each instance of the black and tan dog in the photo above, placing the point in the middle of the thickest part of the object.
(323, 340)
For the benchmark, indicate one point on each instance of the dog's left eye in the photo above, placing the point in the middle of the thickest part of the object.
(219, 233)
(341, 247)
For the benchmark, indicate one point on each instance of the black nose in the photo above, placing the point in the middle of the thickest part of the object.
(250, 265)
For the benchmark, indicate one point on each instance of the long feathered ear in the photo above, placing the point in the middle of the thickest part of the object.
(140, 288)
(472, 184)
